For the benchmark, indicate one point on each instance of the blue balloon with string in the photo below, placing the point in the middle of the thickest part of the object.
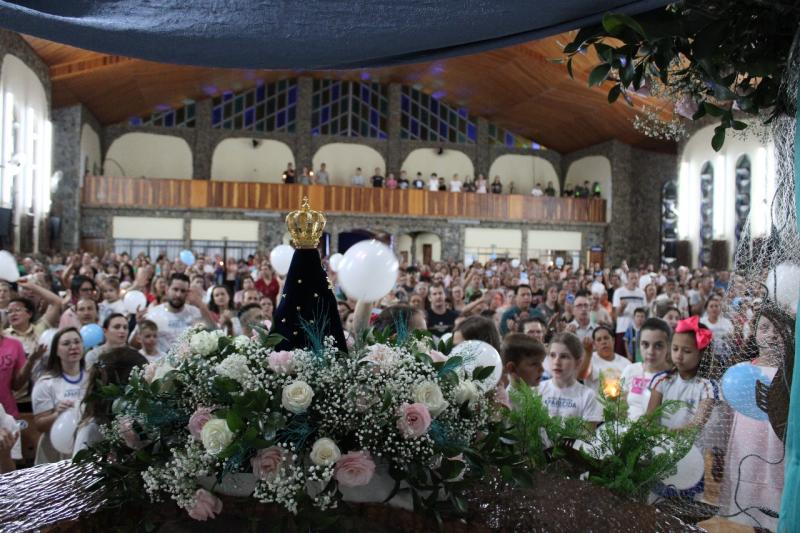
(739, 389)
(92, 335)
(186, 257)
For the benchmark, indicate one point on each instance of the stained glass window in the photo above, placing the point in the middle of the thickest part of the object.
(504, 137)
(266, 107)
(425, 117)
(350, 109)
(182, 117)
(706, 212)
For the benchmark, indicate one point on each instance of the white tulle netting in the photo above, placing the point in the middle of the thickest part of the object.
(742, 442)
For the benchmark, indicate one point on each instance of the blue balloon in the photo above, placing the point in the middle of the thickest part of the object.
(739, 389)
(186, 257)
(92, 335)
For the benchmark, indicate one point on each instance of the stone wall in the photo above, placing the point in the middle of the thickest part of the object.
(634, 232)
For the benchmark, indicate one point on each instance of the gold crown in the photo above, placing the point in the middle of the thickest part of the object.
(305, 226)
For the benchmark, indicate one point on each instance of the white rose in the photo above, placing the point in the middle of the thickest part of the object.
(216, 436)
(466, 391)
(429, 394)
(162, 367)
(296, 397)
(381, 355)
(325, 452)
(203, 342)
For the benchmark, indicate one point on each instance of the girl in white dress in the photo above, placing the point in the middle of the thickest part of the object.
(60, 388)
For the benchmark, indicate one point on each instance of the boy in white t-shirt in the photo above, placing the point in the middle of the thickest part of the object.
(562, 394)
(522, 358)
(604, 364)
(654, 340)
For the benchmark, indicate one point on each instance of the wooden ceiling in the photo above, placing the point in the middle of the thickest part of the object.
(519, 88)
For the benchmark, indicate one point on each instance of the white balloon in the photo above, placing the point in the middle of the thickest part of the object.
(446, 337)
(46, 338)
(468, 260)
(62, 433)
(334, 261)
(281, 258)
(134, 301)
(783, 284)
(9, 271)
(515, 263)
(368, 271)
(479, 353)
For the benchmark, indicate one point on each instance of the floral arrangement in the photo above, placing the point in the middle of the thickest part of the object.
(304, 429)
(722, 59)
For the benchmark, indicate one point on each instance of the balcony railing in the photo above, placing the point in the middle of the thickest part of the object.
(155, 193)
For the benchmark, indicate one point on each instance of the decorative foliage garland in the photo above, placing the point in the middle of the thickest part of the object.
(710, 57)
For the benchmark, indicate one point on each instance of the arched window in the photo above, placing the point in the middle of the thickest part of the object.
(669, 221)
(706, 212)
(743, 181)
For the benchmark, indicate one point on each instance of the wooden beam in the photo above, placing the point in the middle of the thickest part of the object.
(63, 71)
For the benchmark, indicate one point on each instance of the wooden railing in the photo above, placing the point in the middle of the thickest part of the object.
(202, 194)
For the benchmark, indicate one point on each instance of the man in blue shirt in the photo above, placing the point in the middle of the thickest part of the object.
(522, 310)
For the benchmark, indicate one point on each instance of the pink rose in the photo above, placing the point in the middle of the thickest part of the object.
(150, 372)
(198, 420)
(414, 421)
(268, 462)
(206, 505)
(437, 356)
(281, 362)
(128, 433)
(354, 469)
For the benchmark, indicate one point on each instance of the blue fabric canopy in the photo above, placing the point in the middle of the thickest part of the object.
(304, 34)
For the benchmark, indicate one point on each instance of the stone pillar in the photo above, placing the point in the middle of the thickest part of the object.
(303, 153)
(483, 157)
(622, 221)
(523, 253)
(394, 150)
(204, 141)
(67, 159)
(187, 231)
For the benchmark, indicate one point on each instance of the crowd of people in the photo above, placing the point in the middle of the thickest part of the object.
(434, 182)
(568, 332)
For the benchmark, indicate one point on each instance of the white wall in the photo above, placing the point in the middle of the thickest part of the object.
(25, 144)
(91, 156)
(428, 160)
(147, 228)
(592, 168)
(235, 159)
(341, 160)
(525, 171)
(434, 241)
(149, 155)
(696, 153)
(217, 230)
(554, 240)
(480, 243)
(403, 244)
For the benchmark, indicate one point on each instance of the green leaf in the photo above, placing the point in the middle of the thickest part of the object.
(615, 23)
(605, 52)
(234, 421)
(569, 68)
(713, 110)
(614, 93)
(482, 372)
(738, 125)
(452, 364)
(719, 138)
(599, 74)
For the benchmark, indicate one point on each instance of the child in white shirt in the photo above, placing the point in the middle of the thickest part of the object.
(562, 394)
(148, 334)
(112, 302)
(654, 341)
(522, 359)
